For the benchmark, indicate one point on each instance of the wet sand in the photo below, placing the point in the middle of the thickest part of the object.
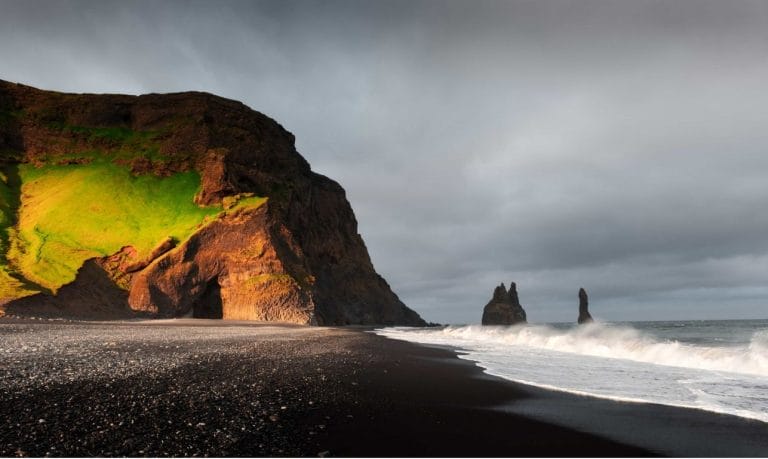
(184, 388)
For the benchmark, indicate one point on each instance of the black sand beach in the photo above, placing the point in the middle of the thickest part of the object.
(183, 388)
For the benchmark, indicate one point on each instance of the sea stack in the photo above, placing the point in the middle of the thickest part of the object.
(504, 308)
(584, 316)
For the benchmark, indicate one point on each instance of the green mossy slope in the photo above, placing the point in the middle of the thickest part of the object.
(70, 213)
(10, 285)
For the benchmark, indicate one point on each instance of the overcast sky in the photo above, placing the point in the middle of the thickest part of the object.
(621, 146)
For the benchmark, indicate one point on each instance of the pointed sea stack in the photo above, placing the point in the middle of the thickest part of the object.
(504, 308)
(584, 316)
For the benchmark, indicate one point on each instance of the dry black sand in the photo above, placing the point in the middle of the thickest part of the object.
(217, 389)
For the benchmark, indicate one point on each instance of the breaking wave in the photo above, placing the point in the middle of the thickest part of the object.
(619, 342)
(621, 362)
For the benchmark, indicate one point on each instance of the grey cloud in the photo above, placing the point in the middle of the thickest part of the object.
(617, 145)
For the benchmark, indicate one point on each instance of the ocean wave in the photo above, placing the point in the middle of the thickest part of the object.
(610, 341)
(620, 363)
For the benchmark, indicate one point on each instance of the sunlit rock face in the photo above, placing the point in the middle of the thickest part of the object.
(278, 242)
(239, 267)
(504, 308)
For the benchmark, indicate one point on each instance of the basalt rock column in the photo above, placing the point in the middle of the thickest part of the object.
(584, 316)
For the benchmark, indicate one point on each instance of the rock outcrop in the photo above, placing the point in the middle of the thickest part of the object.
(504, 308)
(296, 258)
(584, 316)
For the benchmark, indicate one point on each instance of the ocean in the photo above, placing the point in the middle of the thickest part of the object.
(719, 366)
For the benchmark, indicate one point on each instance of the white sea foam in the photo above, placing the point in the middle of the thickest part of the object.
(617, 362)
(619, 342)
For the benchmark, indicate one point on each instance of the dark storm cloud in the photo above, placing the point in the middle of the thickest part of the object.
(618, 146)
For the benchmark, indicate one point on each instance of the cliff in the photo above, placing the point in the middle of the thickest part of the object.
(173, 205)
(504, 307)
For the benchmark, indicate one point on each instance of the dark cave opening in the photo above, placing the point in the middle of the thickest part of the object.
(208, 305)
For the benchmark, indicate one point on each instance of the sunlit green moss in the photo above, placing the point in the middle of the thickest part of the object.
(71, 213)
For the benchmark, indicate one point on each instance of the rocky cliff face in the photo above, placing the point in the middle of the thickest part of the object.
(584, 315)
(504, 307)
(297, 257)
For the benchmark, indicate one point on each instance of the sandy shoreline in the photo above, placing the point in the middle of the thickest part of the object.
(242, 389)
